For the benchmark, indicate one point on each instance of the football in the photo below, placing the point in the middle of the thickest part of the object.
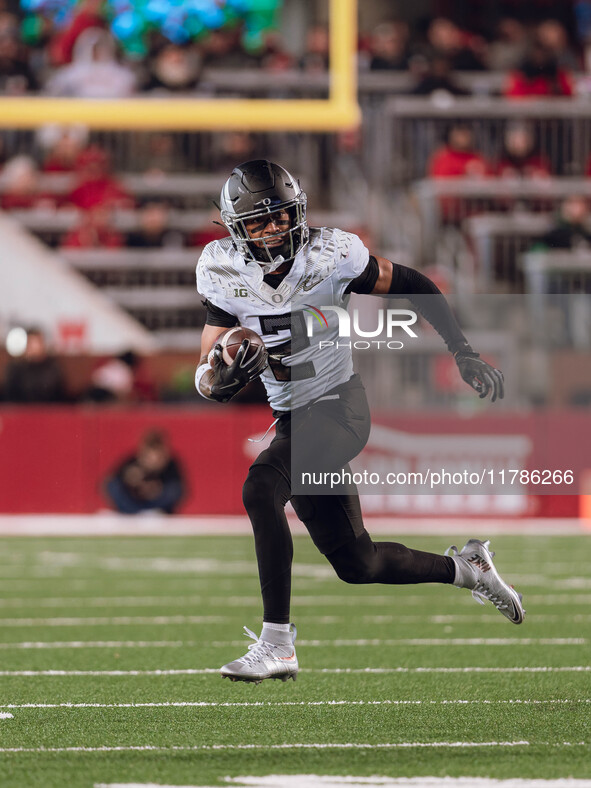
(231, 339)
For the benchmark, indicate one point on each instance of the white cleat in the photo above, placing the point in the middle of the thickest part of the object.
(477, 572)
(264, 661)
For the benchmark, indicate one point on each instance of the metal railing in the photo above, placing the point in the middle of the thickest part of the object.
(557, 271)
(294, 83)
(51, 224)
(412, 128)
(498, 241)
(452, 200)
(559, 287)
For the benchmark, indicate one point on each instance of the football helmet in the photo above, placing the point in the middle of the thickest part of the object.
(260, 188)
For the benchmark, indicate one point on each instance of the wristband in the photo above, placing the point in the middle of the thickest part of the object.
(464, 350)
(199, 373)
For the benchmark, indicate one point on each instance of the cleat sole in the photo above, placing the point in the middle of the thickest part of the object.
(246, 680)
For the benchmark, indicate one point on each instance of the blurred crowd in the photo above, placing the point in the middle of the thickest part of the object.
(36, 375)
(93, 193)
(84, 59)
(96, 195)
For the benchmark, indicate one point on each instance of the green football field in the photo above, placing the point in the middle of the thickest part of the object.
(110, 649)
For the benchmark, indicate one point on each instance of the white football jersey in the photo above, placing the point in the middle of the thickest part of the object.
(319, 276)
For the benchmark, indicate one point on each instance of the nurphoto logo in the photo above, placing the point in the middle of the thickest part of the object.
(388, 320)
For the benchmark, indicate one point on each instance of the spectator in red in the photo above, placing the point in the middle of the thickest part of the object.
(20, 178)
(539, 75)
(87, 15)
(95, 183)
(63, 146)
(457, 158)
(94, 231)
(520, 157)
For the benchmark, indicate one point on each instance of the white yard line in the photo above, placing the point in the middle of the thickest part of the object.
(5, 715)
(125, 601)
(82, 621)
(95, 621)
(528, 669)
(304, 643)
(97, 644)
(437, 642)
(324, 600)
(291, 746)
(456, 618)
(313, 601)
(35, 567)
(206, 671)
(295, 746)
(111, 524)
(354, 671)
(267, 704)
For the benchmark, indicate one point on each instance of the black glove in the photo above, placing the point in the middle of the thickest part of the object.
(228, 380)
(481, 376)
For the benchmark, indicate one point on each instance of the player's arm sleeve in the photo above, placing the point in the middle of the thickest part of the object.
(216, 316)
(366, 281)
(430, 302)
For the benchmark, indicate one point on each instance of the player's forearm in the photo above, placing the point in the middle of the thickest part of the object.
(204, 378)
(424, 294)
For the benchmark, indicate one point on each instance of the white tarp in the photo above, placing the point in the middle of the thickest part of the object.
(37, 288)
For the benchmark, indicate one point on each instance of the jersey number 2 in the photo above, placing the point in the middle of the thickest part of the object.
(273, 324)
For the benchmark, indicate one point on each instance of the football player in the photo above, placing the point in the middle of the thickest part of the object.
(253, 278)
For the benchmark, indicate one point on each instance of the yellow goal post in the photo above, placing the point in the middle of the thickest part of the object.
(340, 110)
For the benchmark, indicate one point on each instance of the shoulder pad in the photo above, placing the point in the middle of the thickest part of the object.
(215, 266)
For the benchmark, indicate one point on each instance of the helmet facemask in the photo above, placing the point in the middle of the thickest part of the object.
(259, 250)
